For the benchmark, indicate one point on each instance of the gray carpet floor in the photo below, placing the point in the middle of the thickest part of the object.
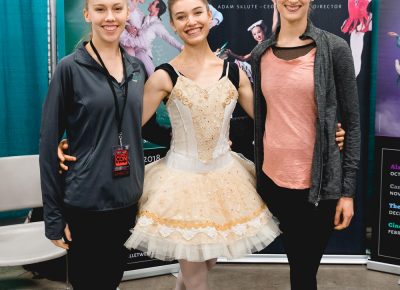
(231, 277)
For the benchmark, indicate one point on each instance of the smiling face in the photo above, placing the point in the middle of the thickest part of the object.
(293, 10)
(191, 19)
(258, 34)
(107, 17)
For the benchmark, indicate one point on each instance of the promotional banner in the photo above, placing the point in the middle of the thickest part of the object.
(241, 25)
(386, 231)
(237, 28)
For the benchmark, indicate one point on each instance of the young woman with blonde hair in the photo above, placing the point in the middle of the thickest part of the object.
(95, 96)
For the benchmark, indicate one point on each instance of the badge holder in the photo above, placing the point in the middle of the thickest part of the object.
(120, 153)
(120, 158)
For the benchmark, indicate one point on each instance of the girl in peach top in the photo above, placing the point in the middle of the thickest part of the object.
(303, 76)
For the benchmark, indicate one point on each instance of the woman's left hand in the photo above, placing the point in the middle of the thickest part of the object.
(344, 213)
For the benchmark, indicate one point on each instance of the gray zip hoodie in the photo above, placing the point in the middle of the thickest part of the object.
(80, 103)
(333, 175)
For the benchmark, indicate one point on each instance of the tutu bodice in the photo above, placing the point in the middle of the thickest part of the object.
(200, 124)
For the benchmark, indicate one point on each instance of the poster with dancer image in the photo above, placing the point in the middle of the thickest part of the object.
(386, 230)
(237, 27)
(247, 23)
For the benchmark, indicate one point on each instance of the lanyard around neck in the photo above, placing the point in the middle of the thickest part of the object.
(118, 116)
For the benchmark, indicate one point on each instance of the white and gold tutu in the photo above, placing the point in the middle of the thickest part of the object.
(200, 201)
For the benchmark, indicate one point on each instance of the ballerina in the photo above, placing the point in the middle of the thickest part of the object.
(358, 23)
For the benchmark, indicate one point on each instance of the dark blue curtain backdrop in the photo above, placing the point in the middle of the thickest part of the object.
(23, 74)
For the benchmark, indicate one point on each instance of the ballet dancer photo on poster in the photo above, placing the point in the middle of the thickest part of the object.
(141, 31)
(358, 23)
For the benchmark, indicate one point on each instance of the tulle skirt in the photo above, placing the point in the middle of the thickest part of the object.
(197, 216)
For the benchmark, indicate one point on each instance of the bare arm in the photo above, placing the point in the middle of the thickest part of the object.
(157, 87)
(275, 18)
(245, 94)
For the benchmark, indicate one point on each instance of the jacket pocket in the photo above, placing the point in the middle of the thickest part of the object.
(88, 159)
(78, 168)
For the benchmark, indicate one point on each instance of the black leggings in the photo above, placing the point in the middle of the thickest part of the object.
(97, 256)
(306, 230)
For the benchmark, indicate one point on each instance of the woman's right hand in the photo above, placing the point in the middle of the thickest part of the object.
(340, 136)
(61, 243)
(62, 157)
(393, 34)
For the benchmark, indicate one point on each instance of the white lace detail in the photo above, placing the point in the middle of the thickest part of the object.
(212, 232)
(145, 221)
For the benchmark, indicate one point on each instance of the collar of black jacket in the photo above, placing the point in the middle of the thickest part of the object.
(83, 57)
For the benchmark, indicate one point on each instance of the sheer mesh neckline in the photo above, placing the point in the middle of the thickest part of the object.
(290, 53)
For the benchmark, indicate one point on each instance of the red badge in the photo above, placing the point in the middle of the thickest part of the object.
(121, 164)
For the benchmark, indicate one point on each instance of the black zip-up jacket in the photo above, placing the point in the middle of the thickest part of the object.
(333, 175)
(80, 103)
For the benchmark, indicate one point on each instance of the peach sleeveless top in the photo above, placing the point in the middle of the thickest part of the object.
(288, 88)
